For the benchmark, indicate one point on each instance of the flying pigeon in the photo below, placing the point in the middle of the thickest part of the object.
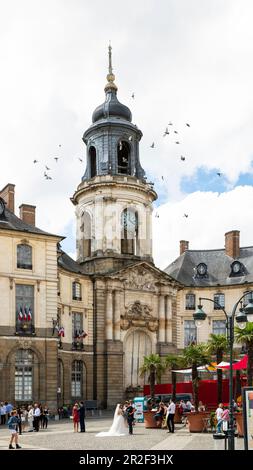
(130, 138)
(152, 145)
(133, 95)
(170, 123)
(80, 159)
(186, 215)
(175, 132)
(182, 158)
(35, 161)
(47, 167)
(166, 132)
(219, 174)
(157, 215)
(177, 142)
(188, 125)
(56, 159)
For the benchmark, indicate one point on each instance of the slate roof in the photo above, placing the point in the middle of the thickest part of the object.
(66, 262)
(12, 222)
(183, 269)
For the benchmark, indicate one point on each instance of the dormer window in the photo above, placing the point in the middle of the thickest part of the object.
(201, 270)
(237, 269)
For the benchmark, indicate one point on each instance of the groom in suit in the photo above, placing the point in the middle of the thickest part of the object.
(130, 416)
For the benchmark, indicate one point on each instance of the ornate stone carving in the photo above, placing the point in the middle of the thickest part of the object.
(138, 315)
(24, 343)
(142, 279)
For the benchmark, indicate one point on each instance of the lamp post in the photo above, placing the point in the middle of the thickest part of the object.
(241, 318)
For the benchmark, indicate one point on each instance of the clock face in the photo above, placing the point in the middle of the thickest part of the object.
(202, 269)
(129, 220)
(236, 267)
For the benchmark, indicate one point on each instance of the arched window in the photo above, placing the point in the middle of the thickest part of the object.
(137, 345)
(76, 291)
(129, 231)
(85, 229)
(23, 375)
(77, 379)
(24, 256)
(123, 153)
(93, 161)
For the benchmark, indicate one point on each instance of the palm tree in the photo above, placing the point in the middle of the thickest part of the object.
(218, 344)
(196, 355)
(173, 362)
(245, 336)
(154, 366)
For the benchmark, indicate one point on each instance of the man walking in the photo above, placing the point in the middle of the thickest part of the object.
(171, 415)
(82, 416)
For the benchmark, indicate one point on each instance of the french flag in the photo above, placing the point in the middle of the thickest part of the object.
(29, 315)
(20, 314)
(24, 314)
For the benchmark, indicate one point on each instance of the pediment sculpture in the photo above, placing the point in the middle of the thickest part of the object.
(139, 315)
(141, 279)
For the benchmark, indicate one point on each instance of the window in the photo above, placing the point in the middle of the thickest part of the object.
(24, 309)
(93, 162)
(76, 291)
(190, 332)
(219, 327)
(23, 374)
(248, 298)
(190, 302)
(24, 256)
(123, 152)
(76, 379)
(77, 329)
(129, 231)
(220, 299)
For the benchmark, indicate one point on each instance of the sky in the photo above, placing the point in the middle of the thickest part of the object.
(186, 61)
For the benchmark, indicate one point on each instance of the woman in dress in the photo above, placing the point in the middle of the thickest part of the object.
(119, 426)
(75, 414)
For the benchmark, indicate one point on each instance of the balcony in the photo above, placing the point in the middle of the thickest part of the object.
(77, 346)
(25, 329)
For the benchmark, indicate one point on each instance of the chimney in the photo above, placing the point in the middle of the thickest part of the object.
(184, 245)
(232, 243)
(8, 195)
(27, 213)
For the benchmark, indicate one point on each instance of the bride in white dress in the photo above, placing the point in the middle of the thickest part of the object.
(119, 426)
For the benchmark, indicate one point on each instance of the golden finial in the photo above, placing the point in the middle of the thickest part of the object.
(110, 76)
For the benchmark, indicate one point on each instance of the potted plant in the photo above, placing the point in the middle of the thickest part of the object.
(196, 355)
(154, 366)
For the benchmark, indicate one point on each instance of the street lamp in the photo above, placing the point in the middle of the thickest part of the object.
(242, 317)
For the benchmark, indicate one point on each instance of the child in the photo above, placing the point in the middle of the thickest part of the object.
(13, 426)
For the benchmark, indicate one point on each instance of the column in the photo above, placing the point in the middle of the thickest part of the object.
(168, 320)
(109, 312)
(117, 315)
(161, 333)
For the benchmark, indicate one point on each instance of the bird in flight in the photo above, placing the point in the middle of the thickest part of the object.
(182, 158)
(177, 142)
(162, 178)
(56, 159)
(186, 215)
(35, 161)
(175, 132)
(133, 95)
(152, 145)
(170, 123)
(59, 145)
(80, 159)
(47, 167)
(188, 125)
(219, 174)
(157, 215)
(166, 132)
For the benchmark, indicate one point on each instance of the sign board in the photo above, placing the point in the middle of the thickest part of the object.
(248, 417)
(139, 406)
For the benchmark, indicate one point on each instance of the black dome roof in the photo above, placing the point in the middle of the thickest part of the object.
(111, 108)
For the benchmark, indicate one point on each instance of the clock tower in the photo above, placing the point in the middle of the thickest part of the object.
(114, 200)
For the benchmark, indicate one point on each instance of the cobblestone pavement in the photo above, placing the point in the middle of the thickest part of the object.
(60, 435)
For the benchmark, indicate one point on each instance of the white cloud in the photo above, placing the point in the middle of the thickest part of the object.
(210, 216)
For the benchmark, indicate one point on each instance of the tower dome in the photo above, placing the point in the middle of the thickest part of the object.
(111, 107)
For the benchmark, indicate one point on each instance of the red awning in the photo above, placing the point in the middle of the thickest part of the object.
(242, 364)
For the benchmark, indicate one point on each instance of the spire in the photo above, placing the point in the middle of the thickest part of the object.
(110, 86)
